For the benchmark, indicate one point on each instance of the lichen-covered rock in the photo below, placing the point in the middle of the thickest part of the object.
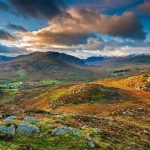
(10, 119)
(7, 130)
(31, 120)
(27, 129)
(65, 130)
(91, 143)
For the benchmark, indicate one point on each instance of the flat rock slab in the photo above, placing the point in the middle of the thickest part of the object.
(65, 130)
(10, 119)
(31, 120)
(27, 129)
(7, 130)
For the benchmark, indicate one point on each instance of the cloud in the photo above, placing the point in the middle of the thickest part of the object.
(12, 51)
(16, 27)
(3, 6)
(39, 8)
(115, 47)
(125, 25)
(106, 6)
(75, 26)
(4, 35)
(92, 44)
(124, 51)
(143, 9)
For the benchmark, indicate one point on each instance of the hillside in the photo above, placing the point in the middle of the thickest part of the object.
(59, 66)
(119, 67)
(105, 114)
(140, 82)
(54, 101)
(63, 95)
(38, 66)
(131, 59)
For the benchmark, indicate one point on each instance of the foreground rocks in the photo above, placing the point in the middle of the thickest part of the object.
(65, 130)
(27, 129)
(10, 131)
(10, 119)
(85, 131)
(31, 120)
(9, 127)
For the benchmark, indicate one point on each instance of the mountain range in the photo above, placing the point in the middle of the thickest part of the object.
(54, 65)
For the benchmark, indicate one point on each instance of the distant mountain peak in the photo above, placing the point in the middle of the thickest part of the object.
(66, 58)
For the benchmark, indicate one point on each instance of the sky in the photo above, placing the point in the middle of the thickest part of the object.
(82, 28)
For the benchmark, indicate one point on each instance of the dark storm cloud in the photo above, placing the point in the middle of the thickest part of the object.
(143, 9)
(39, 8)
(106, 6)
(3, 6)
(89, 21)
(77, 25)
(16, 27)
(4, 35)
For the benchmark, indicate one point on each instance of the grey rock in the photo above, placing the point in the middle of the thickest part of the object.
(10, 119)
(96, 130)
(27, 129)
(65, 130)
(7, 130)
(92, 144)
(31, 120)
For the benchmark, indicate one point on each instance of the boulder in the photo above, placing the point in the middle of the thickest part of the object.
(96, 130)
(7, 130)
(91, 143)
(27, 129)
(65, 130)
(10, 119)
(31, 120)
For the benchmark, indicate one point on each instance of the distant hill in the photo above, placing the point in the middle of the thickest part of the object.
(131, 59)
(94, 59)
(49, 65)
(59, 66)
(143, 59)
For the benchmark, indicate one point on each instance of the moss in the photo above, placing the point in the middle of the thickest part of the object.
(51, 82)
(8, 146)
(8, 95)
(61, 92)
(56, 95)
(46, 142)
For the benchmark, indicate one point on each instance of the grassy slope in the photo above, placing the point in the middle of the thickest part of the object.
(75, 94)
(126, 125)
